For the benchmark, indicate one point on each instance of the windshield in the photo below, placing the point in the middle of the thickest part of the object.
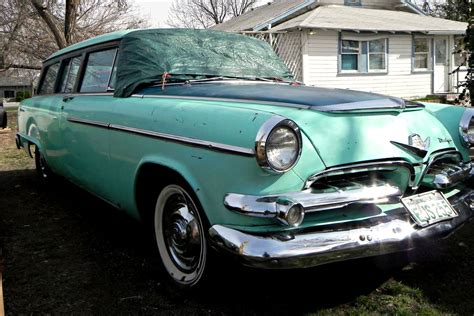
(145, 56)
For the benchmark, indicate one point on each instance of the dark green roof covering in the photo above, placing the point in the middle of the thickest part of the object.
(144, 56)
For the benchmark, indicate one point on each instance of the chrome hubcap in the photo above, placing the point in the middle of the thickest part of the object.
(43, 167)
(182, 235)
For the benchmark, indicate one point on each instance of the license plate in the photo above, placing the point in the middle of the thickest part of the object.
(429, 208)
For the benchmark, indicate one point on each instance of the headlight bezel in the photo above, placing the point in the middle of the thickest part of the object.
(261, 141)
(464, 124)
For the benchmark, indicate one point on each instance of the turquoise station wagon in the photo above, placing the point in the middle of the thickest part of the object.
(205, 136)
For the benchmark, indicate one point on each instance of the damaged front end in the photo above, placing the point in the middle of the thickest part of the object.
(354, 210)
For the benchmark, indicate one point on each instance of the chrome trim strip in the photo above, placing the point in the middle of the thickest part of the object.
(196, 98)
(312, 246)
(381, 104)
(88, 122)
(189, 141)
(361, 167)
(168, 137)
(446, 178)
(268, 206)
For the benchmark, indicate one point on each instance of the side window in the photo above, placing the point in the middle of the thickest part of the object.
(47, 87)
(98, 71)
(69, 74)
(64, 74)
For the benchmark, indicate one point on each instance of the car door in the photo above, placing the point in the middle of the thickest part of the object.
(40, 116)
(85, 119)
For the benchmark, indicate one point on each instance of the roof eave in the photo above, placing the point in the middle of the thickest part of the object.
(283, 15)
(427, 32)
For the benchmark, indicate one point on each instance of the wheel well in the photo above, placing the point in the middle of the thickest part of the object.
(151, 179)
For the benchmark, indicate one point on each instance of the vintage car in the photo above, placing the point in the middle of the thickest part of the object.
(205, 136)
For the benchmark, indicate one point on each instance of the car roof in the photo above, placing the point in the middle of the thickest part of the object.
(90, 42)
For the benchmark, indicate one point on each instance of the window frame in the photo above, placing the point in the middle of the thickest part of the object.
(82, 70)
(44, 71)
(364, 54)
(385, 53)
(356, 3)
(358, 57)
(429, 54)
(5, 94)
(76, 53)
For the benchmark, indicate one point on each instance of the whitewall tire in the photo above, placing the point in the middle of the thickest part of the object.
(180, 236)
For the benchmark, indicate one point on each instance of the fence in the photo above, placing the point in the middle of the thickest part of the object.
(287, 45)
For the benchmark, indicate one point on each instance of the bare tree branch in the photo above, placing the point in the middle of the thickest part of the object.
(206, 13)
(48, 18)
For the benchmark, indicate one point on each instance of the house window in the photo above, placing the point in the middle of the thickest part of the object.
(8, 94)
(350, 52)
(460, 53)
(377, 55)
(422, 53)
(352, 2)
(363, 56)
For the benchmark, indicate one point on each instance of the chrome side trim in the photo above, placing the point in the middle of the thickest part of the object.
(88, 122)
(188, 141)
(313, 246)
(362, 167)
(169, 137)
(268, 206)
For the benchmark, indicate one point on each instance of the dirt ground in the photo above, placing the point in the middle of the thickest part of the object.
(65, 251)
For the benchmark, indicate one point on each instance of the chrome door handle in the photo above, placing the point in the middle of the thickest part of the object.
(67, 98)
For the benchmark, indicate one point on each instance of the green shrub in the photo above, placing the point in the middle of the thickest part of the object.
(21, 95)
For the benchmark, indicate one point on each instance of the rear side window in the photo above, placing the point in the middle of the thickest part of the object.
(98, 71)
(69, 75)
(49, 80)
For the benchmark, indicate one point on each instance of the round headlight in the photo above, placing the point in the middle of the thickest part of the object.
(278, 145)
(466, 127)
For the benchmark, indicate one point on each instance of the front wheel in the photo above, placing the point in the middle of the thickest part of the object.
(42, 168)
(180, 236)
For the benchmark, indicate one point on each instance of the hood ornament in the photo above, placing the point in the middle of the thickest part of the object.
(416, 145)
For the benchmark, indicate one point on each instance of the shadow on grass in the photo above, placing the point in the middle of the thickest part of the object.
(67, 251)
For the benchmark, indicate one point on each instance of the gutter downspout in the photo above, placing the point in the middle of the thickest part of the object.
(413, 6)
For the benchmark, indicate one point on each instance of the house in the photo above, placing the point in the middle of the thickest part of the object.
(10, 86)
(383, 46)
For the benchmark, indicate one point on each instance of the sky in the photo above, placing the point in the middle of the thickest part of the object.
(155, 11)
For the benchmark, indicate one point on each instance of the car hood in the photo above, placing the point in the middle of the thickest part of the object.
(282, 94)
(344, 126)
(344, 138)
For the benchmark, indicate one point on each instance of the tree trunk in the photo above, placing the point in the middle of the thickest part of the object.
(49, 19)
(70, 20)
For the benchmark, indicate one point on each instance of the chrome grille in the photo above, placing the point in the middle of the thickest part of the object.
(446, 173)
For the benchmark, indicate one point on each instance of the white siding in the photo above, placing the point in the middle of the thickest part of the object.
(320, 62)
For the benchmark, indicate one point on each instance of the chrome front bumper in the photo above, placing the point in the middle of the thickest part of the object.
(310, 247)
